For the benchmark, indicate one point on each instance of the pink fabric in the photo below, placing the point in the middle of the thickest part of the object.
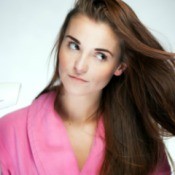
(33, 141)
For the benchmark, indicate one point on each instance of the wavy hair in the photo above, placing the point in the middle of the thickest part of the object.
(139, 106)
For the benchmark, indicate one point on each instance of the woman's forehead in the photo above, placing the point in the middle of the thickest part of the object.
(87, 29)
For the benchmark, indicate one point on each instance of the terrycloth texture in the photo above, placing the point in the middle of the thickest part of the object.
(33, 141)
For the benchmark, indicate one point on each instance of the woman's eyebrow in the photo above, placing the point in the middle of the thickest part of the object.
(96, 49)
(74, 39)
(104, 50)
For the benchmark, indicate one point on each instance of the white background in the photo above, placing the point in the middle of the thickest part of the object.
(28, 29)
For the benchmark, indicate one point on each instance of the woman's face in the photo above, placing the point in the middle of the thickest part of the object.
(88, 57)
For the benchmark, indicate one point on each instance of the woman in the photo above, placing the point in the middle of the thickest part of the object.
(114, 102)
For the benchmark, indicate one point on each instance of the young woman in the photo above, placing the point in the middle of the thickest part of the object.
(114, 103)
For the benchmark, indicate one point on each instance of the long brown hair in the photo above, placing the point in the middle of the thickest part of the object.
(139, 106)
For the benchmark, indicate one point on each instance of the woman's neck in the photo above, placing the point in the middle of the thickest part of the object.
(78, 109)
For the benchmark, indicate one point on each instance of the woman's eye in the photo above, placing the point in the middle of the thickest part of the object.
(73, 46)
(101, 56)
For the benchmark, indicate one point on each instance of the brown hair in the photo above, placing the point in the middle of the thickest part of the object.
(139, 106)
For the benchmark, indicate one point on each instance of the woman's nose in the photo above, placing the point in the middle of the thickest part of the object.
(81, 65)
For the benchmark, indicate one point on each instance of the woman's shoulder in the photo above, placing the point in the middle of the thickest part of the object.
(18, 119)
(16, 129)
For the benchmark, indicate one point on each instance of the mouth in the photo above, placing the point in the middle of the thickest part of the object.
(77, 78)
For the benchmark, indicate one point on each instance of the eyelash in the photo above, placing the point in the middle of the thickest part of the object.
(72, 45)
(103, 56)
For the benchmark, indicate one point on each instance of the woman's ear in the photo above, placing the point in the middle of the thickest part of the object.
(120, 69)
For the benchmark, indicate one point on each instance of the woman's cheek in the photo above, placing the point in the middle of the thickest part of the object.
(62, 60)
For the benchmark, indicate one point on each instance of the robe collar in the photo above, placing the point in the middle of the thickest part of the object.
(50, 145)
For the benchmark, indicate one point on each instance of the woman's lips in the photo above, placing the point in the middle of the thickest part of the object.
(77, 78)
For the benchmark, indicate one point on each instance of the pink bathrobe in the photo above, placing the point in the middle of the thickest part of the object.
(33, 141)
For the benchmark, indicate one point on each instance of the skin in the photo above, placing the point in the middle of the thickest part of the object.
(81, 59)
(88, 58)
